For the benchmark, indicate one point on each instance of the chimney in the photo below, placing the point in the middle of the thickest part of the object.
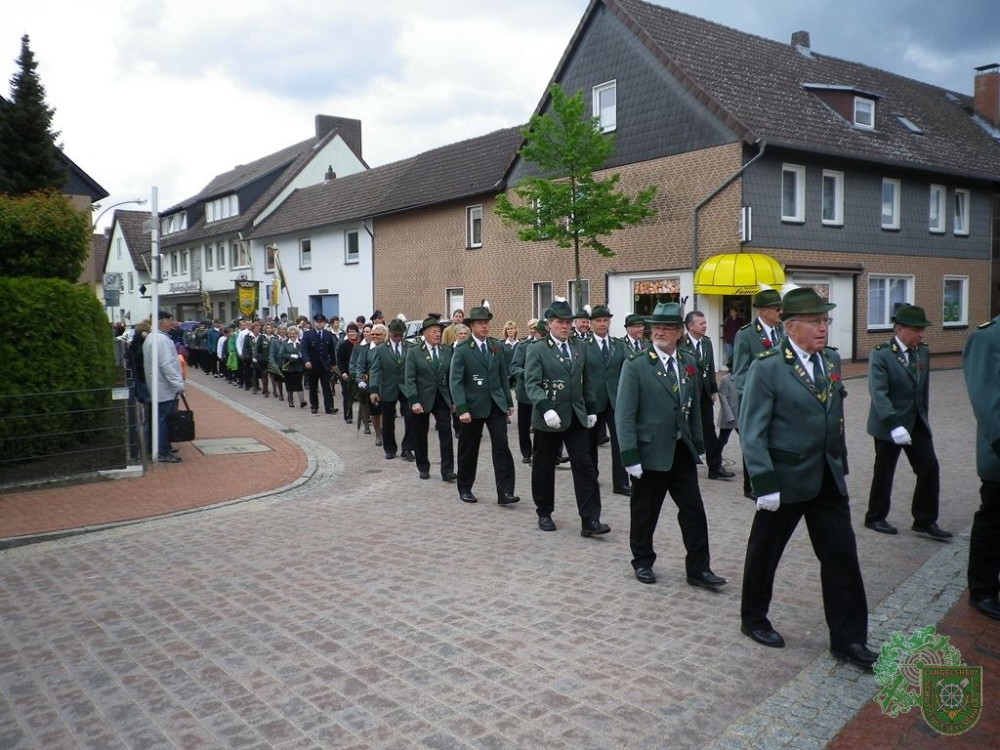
(330, 174)
(986, 100)
(350, 130)
(800, 39)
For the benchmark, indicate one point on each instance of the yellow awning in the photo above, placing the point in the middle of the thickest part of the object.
(738, 273)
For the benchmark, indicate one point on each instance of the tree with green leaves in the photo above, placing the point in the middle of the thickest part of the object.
(565, 203)
(29, 157)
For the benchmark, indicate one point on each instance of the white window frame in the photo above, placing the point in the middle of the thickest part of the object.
(897, 187)
(269, 251)
(938, 203)
(454, 299)
(305, 252)
(536, 300)
(860, 104)
(885, 322)
(960, 221)
(184, 262)
(799, 171)
(584, 298)
(118, 245)
(348, 258)
(173, 264)
(837, 180)
(131, 282)
(209, 258)
(607, 124)
(220, 258)
(473, 220)
(963, 319)
(240, 255)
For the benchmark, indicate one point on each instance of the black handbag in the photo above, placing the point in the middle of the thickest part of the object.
(180, 424)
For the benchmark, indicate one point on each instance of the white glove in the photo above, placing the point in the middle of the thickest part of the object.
(635, 470)
(769, 502)
(362, 384)
(552, 419)
(901, 436)
(591, 421)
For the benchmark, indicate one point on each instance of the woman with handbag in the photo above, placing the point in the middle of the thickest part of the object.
(293, 367)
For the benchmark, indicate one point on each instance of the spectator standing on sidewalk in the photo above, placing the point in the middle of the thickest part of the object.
(981, 362)
(899, 384)
(169, 381)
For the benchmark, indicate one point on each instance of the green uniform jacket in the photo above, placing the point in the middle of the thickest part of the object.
(359, 361)
(750, 341)
(649, 414)
(787, 432)
(422, 381)
(284, 356)
(706, 363)
(604, 374)
(386, 371)
(477, 382)
(899, 393)
(517, 371)
(981, 364)
(554, 382)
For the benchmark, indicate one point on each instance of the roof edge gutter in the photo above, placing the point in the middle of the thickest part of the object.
(762, 145)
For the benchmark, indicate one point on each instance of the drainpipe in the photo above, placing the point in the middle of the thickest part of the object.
(708, 198)
(371, 233)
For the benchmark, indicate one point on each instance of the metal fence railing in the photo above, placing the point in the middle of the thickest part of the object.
(68, 434)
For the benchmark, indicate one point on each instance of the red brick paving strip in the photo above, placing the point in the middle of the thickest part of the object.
(197, 481)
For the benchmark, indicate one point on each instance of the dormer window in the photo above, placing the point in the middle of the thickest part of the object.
(222, 208)
(864, 113)
(174, 223)
(606, 105)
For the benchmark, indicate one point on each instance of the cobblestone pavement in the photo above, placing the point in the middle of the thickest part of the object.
(368, 609)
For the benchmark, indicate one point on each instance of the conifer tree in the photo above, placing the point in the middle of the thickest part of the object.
(29, 157)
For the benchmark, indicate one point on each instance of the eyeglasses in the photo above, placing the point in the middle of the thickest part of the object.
(814, 323)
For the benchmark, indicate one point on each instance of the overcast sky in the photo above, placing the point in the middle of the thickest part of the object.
(174, 92)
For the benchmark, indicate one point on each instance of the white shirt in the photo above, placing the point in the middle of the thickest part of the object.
(804, 356)
(664, 358)
(560, 344)
(600, 342)
(634, 344)
(768, 329)
(903, 349)
(695, 342)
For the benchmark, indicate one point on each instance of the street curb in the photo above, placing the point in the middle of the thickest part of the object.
(318, 458)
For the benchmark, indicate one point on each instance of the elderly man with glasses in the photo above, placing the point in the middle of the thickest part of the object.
(792, 431)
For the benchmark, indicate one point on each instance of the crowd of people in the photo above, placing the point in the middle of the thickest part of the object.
(650, 395)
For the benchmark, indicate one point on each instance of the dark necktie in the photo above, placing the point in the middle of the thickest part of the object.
(818, 377)
(697, 349)
(485, 354)
(396, 347)
(636, 345)
(911, 357)
(604, 348)
(671, 374)
(774, 336)
(434, 355)
(565, 351)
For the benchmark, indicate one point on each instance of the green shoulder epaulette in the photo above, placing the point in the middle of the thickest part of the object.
(639, 353)
(831, 347)
(883, 345)
(768, 352)
(746, 326)
(987, 324)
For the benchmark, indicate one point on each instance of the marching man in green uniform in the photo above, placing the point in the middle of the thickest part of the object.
(480, 390)
(792, 431)
(981, 363)
(765, 332)
(659, 430)
(426, 387)
(605, 357)
(555, 378)
(386, 372)
(898, 381)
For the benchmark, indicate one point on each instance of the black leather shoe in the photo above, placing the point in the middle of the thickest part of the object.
(368, 429)
(721, 474)
(468, 497)
(314, 411)
(332, 411)
(707, 580)
(932, 530)
(389, 456)
(425, 475)
(765, 637)
(604, 440)
(988, 607)
(562, 459)
(882, 527)
(748, 495)
(626, 491)
(407, 456)
(857, 654)
(508, 499)
(593, 527)
(348, 420)
(526, 459)
(545, 523)
(644, 575)
(450, 477)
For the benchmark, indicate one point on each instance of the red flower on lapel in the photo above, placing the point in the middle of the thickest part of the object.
(766, 342)
(834, 377)
(493, 350)
(690, 371)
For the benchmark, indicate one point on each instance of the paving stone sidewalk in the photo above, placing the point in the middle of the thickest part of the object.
(368, 609)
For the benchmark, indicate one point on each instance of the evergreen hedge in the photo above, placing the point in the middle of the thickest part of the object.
(58, 368)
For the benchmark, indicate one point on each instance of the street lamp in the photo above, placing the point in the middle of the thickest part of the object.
(93, 224)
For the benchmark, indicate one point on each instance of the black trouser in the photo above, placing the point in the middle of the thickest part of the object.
(247, 366)
(548, 445)
(925, 465)
(468, 452)
(524, 428)
(319, 375)
(828, 519)
(984, 544)
(606, 419)
(345, 392)
(713, 451)
(389, 424)
(648, 493)
(420, 426)
(213, 364)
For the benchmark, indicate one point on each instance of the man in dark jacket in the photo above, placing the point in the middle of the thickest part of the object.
(320, 356)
